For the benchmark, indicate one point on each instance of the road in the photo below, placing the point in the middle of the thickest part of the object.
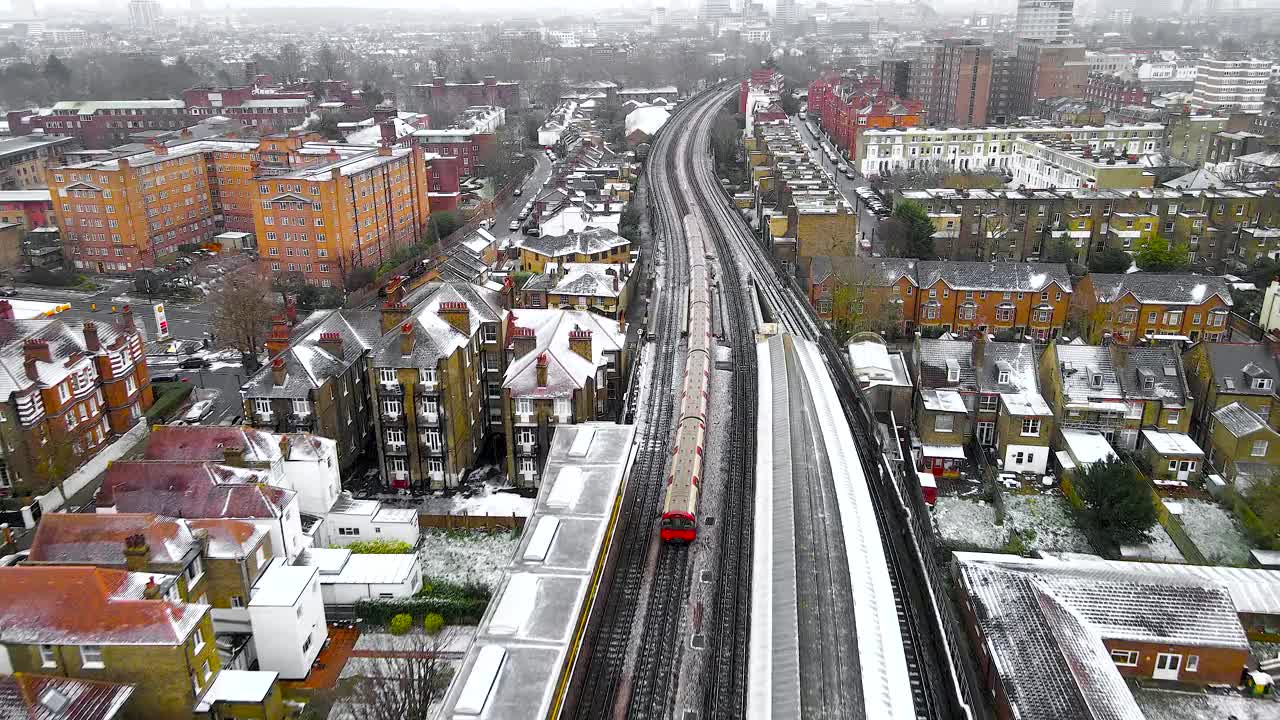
(531, 188)
(868, 223)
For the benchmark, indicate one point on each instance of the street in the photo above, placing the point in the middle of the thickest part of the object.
(868, 223)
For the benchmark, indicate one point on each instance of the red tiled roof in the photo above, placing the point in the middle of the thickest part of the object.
(79, 605)
(191, 490)
(21, 698)
(99, 539)
(208, 442)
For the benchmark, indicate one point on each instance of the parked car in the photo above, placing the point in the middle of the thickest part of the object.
(517, 192)
(487, 223)
(8, 292)
(164, 378)
(194, 363)
(514, 226)
(841, 167)
(198, 411)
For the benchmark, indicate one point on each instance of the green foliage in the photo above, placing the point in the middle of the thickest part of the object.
(1157, 255)
(455, 611)
(1117, 501)
(1260, 513)
(1017, 544)
(327, 125)
(790, 104)
(445, 223)
(629, 222)
(168, 397)
(915, 231)
(1109, 260)
(359, 278)
(433, 623)
(51, 278)
(400, 624)
(520, 278)
(380, 547)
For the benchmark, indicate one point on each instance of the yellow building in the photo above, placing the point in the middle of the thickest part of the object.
(593, 245)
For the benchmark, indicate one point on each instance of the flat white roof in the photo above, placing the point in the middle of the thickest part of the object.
(281, 585)
(943, 451)
(374, 570)
(239, 686)
(329, 561)
(515, 662)
(1087, 446)
(1169, 443)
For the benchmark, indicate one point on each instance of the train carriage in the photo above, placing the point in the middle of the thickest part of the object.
(679, 510)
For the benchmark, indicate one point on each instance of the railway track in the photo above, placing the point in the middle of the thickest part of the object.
(921, 641)
(608, 643)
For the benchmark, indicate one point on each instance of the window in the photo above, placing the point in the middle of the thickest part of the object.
(528, 466)
(1262, 383)
(398, 465)
(1193, 663)
(1004, 313)
(427, 376)
(1031, 427)
(435, 465)
(301, 407)
(91, 656)
(562, 408)
(194, 571)
(387, 376)
(1003, 378)
(989, 403)
(262, 406)
(237, 601)
(432, 438)
(395, 436)
(524, 406)
(1259, 448)
(197, 641)
(1125, 658)
(1151, 318)
(391, 407)
(944, 423)
(1174, 416)
(1173, 317)
(48, 656)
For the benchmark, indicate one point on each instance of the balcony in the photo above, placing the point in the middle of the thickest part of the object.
(526, 448)
(399, 478)
(390, 388)
(396, 448)
(392, 418)
(430, 417)
(264, 417)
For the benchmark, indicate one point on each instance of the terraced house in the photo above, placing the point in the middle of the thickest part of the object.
(981, 391)
(592, 245)
(600, 287)
(1224, 373)
(317, 380)
(436, 377)
(112, 626)
(1009, 300)
(564, 366)
(1130, 307)
(1242, 446)
(67, 389)
(1222, 228)
(1116, 390)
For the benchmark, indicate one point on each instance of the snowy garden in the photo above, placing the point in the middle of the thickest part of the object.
(463, 557)
(1215, 532)
(1032, 522)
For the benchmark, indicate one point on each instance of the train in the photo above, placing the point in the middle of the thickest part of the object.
(679, 522)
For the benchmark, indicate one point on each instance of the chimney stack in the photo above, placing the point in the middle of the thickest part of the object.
(91, 341)
(277, 371)
(331, 342)
(126, 316)
(36, 349)
(6, 310)
(523, 341)
(286, 446)
(542, 370)
(137, 553)
(406, 339)
(580, 342)
(233, 456)
(278, 338)
(393, 315)
(458, 315)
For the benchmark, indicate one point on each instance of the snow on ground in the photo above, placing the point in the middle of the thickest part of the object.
(1045, 522)
(1160, 549)
(452, 639)
(1050, 518)
(1215, 532)
(467, 557)
(1173, 705)
(488, 499)
(968, 523)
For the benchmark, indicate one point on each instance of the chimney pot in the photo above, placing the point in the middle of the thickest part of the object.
(542, 370)
(277, 371)
(91, 341)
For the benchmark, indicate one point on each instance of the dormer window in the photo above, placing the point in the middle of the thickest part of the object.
(1148, 383)
(1095, 379)
(1262, 383)
(1004, 377)
(953, 371)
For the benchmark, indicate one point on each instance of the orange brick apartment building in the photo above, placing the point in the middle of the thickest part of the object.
(316, 208)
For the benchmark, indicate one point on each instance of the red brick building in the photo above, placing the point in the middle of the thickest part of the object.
(268, 110)
(29, 208)
(1111, 91)
(449, 98)
(846, 109)
(99, 124)
(1045, 70)
(953, 80)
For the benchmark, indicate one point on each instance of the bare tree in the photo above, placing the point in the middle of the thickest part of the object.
(243, 306)
(402, 684)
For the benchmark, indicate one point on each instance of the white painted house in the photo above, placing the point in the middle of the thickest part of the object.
(287, 614)
(346, 578)
(362, 520)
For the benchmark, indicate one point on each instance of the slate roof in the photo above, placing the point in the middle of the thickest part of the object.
(1076, 362)
(24, 696)
(1018, 358)
(433, 337)
(1228, 363)
(567, 371)
(993, 276)
(65, 338)
(99, 539)
(590, 280)
(191, 490)
(209, 442)
(1160, 364)
(81, 605)
(1044, 623)
(591, 240)
(1161, 289)
(931, 358)
(883, 272)
(1239, 420)
(308, 365)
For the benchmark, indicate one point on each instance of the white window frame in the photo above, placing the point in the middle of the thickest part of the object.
(1259, 448)
(1130, 658)
(387, 376)
(262, 406)
(91, 657)
(48, 656)
(1031, 427)
(944, 423)
(1173, 416)
(524, 406)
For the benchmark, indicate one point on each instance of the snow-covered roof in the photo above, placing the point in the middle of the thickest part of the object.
(580, 220)
(99, 539)
(1239, 420)
(239, 686)
(523, 643)
(1160, 289)
(648, 120)
(434, 336)
(192, 490)
(281, 585)
(595, 280)
(1171, 443)
(943, 401)
(308, 364)
(25, 696)
(994, 276)
(82, 605)
(587, 241)
(1087, 446)
(821, 446)
(874, 365)
(378, 569)
(89, 107)
(567, 371)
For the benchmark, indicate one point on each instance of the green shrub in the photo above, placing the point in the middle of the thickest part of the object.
(168, 397)
(400, 624)
(380, 547)
(433, 623)
(454, 611)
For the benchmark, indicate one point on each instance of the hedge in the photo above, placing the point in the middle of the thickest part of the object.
(169, 396)
(455, 611)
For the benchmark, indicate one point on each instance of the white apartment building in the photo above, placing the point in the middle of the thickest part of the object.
(1044, 19)
(878, 152)
(1166, 72)
(1231, 83)
(1055, 165)
(1109, 63)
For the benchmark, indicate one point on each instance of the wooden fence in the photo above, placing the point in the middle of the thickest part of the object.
(471, 522)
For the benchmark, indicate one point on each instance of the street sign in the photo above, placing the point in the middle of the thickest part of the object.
(162, 324)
